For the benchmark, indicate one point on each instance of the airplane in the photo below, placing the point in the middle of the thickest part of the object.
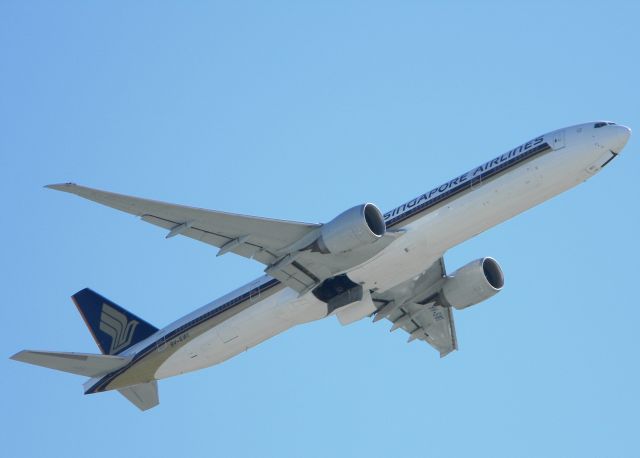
(363, 263)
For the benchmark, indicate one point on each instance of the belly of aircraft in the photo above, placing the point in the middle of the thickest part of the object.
(245, 330)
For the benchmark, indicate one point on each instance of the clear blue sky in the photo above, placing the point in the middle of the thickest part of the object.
(297, 110)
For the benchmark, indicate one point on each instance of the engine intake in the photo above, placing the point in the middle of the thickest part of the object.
(473, 283)
(352, 229)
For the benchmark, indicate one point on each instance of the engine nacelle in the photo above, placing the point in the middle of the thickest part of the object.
(352, 229)
(473, 283)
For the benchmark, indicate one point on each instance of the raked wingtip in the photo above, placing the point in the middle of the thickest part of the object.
(18, 356)
(60, 186)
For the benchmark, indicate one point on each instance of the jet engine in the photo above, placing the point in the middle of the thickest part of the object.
(352, 229)
(473, 283)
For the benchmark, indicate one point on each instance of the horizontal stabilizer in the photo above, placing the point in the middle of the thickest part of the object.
(87, 364)
(144, 395)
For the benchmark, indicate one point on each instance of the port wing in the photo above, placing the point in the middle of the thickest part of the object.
(249, 236)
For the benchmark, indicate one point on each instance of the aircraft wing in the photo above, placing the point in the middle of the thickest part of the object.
(415, 306)
(279, 245)
(249, 236)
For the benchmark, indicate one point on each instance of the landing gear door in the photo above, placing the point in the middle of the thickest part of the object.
(557, 139)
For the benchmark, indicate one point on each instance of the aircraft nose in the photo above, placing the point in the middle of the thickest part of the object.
(618, 136)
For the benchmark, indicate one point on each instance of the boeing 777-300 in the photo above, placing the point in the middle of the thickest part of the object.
(360, 264)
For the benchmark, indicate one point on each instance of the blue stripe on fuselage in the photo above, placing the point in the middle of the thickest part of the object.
(454, 188)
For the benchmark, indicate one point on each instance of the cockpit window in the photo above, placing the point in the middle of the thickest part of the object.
(602, 124)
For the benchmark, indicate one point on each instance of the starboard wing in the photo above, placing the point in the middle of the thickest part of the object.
(415, 306)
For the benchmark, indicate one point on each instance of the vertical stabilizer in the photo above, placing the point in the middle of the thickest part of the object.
(113, 328)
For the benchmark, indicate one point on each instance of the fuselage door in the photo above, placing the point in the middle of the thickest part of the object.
(161, 344)
(557, 139)
(476, 178)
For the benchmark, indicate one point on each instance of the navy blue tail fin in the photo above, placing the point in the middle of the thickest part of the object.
(113, 328)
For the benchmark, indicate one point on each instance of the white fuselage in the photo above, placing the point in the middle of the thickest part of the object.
(576, 154)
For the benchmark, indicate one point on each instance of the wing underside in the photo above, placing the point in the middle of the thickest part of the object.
(258, 238)
(262, 239)
(282, 246)
(416, 307)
